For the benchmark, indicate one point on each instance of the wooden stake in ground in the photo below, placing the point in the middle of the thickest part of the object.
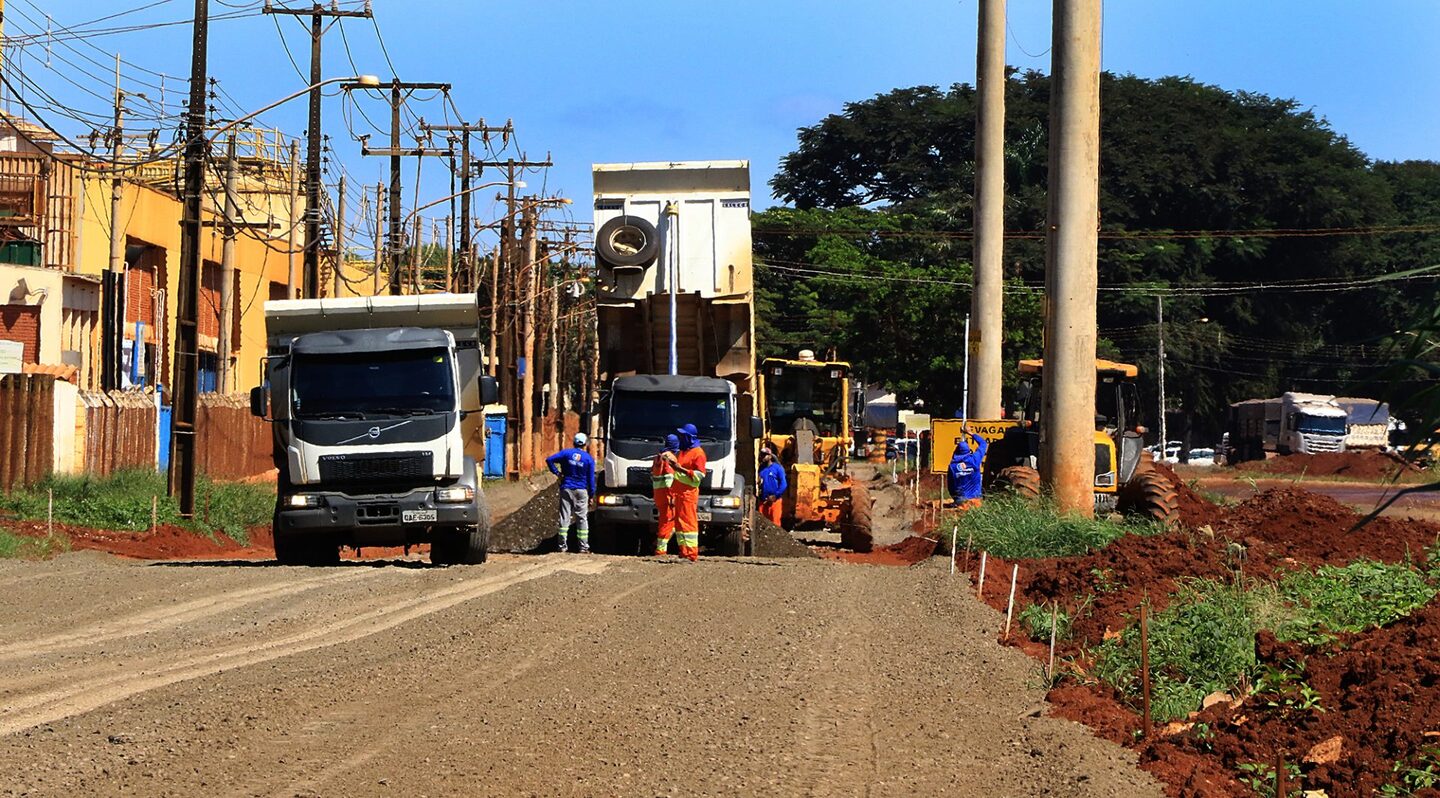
(154, 507)
(1282, 778)
(1050, 669)
(1145, 670)
(980, 589)
(954, 534)
(50, 515)
(969, 547)
(1010, 605)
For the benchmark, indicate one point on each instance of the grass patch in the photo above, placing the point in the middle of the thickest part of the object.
(1332, 600)
(1013, 528)
(1035, 619)
(122, 502)
(24, 547)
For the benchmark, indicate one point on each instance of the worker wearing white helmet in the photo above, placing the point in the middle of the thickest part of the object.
(576, 470)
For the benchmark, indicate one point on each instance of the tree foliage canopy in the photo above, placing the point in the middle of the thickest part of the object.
(1202, 191)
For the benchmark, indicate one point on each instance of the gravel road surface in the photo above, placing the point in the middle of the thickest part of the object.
(551, 675)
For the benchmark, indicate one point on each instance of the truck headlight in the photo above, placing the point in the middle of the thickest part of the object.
(299, 501)
(610, 500)
(455, 494)
(1105, 480)
(728, 502)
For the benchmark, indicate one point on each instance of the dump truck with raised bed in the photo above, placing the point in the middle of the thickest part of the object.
(674, 304)
(1292, 423)
(1126, 480)
(376, 406)
(805, 404)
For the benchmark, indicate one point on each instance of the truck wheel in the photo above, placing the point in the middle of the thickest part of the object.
(858, 531)
(468, 545)
(1150, 495)
(733, 544)
(627, 242)
(1023, 481)
(305, 550)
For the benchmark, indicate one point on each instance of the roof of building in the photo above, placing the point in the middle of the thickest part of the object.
(58, 371)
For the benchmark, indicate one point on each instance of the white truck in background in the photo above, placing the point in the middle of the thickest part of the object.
(376, 404)
(1369, 421)
(675, 314)
(1293, 423)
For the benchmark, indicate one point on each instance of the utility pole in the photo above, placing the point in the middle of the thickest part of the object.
(114, 322)
(313, 187)
(339, 236)
(416, 255)
(379, 237)
(449, 252)
(527, 322)
(292, 289)
(466, 130)
(227, 272)
(1067, 426)
(185, 390)
(987, 297)
(1160, 370)
(398, 92)
(492, 358)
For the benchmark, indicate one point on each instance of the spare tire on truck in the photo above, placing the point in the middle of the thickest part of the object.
(627, 242)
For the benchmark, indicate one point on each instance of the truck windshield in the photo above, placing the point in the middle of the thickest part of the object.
(647, 416)
(1321, 425)
(799, 393)
(362, 384)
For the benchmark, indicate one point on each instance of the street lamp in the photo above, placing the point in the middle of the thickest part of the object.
(185, 391)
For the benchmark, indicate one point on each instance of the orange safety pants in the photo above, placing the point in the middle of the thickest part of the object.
(687, 521)
(965, 506)
(772, 509)
(665, 509)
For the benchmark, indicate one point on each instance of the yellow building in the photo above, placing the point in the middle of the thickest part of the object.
(55, 244)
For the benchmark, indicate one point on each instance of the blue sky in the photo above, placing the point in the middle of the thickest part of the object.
(619, 81)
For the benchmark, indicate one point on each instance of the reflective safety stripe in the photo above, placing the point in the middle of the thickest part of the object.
(690, 539)
(688, 478)
(662, 482)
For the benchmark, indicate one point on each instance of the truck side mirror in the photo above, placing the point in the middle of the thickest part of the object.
(489, 391)
(757, 427)
(259, 405)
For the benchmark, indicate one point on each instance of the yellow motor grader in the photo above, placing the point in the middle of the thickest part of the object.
(805, 404)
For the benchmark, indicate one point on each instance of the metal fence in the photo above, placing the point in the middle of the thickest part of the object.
(27, 428)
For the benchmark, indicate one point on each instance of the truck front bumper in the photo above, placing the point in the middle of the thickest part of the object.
(377, 520)
(640, 509)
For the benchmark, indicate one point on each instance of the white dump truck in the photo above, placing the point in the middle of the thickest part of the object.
(1369, 423)
(376, 406)
(675, 298)
(1293, 423)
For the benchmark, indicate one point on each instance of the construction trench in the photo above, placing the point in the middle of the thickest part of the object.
(843, 622)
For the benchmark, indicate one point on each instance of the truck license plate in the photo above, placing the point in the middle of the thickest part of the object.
(703, 516)
(417, 516)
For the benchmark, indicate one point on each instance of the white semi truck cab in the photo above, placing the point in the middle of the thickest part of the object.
(375, 405)
(1311, 424)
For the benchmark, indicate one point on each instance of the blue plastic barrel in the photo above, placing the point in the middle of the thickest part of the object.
(494, 446)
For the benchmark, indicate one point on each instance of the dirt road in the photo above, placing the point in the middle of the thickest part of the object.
(545, 675)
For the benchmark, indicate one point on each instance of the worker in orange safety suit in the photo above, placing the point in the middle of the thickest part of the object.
(689, 467)
(662, 482)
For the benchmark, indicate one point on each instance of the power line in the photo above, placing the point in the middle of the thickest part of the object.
(1116, 235)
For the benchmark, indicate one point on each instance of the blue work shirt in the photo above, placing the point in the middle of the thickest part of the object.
(772, 482)
(964, 478)
(574, 467)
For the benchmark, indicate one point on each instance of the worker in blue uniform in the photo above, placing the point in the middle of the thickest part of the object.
(964, 478)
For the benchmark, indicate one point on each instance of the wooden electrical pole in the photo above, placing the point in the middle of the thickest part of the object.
(379, 237)
(527, 325)
(468, 280)
(399, 90)
(292, 288)
(185, 390)
(1067, 453)
(339, 237)
(227, 272)
(987, 298)
(114, 322)
(313, 185)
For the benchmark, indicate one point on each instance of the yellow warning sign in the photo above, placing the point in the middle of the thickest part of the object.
(944, 432)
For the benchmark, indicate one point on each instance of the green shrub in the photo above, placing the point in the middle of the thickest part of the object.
(1352, 598)
(1036, 620)
(1014, 528)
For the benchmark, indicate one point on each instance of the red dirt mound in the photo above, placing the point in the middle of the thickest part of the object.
(1380, 691)
(1367, 464)
(165, 543)
(907, 552)
(1317, 528)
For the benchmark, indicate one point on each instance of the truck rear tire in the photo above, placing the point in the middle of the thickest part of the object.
(464, 546)
(1023, 481)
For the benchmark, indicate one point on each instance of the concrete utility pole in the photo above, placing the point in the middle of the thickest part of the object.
(292, 283)
(492, 359)
(987, 297)
(399, 90)
(227, 272)
(1067, 425)
(313, 185)
(379, 237)
(339, 237)
(1160, 370)
(185, 389)
(114, 322)
(527, 283)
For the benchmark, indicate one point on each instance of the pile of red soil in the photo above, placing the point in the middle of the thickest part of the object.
(165, 543)
(1381, 694)
(1195, 510)
(1361, 464)
(907, 552)
(1316, 528)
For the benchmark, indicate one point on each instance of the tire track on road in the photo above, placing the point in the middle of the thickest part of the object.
(162, 618)
(29, 711)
